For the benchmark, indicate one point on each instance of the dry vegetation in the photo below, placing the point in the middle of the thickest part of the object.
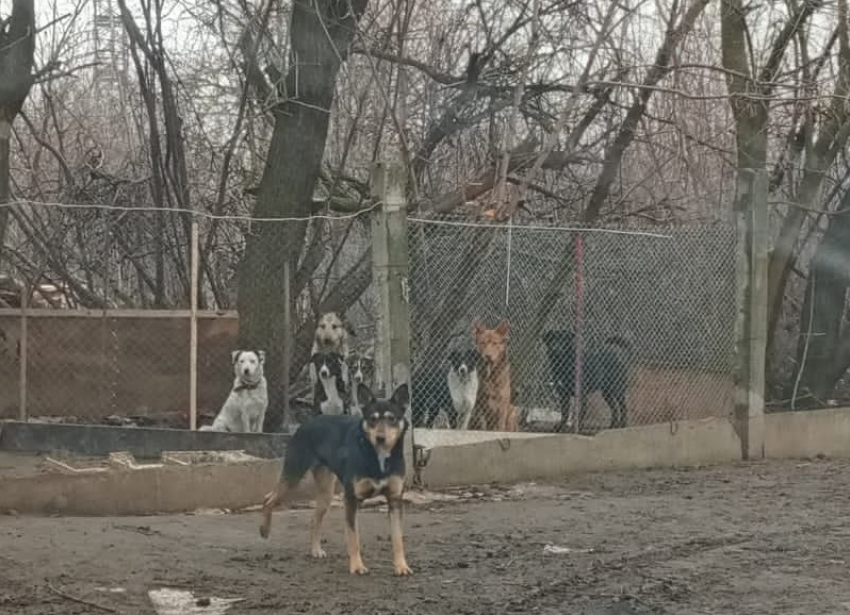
(637, 112)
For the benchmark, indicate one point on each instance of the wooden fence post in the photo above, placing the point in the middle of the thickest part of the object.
(194, 261)
(287, 341)
(751, 221)
(390, 278)
(23, 355)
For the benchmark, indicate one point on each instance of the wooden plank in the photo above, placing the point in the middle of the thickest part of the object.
(23, 357)
(193, 331)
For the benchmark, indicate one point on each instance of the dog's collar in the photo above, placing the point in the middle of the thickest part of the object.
(246, 386)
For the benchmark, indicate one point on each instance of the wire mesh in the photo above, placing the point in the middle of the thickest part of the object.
(605, 328)
(651, 317)
(108, 310)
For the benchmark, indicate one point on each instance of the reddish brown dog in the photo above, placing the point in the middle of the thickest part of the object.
(494, 411)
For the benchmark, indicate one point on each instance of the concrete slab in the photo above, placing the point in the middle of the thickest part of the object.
(431, 438)
(121, 486)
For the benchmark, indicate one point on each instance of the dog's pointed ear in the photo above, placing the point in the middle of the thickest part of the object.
(503, 328)
(364, 395)
(401, 396)
(234, 356)
(261, 355)
(477, 327)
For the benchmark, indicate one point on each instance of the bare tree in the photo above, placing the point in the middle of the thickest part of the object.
(17, 49)
(320, 34)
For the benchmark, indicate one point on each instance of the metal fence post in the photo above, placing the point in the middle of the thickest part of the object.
(390, 279)
(751, 323)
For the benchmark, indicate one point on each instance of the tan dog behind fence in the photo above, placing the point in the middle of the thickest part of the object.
(494, 409)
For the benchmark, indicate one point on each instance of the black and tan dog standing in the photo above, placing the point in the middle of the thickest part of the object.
(366, 455)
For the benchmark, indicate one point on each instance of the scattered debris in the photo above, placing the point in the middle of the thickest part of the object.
(64, 468)
(193, 457)
(556, 550)
(144, 530)
(127, 461)
(167, 601)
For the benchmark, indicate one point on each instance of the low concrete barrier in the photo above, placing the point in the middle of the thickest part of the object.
(807, 433)
(506, 458)
(128, 489)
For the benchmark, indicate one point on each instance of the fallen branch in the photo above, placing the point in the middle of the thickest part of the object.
(94, 605)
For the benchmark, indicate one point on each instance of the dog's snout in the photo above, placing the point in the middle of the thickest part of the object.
(381, 439)
(324, 372)
(462, 370)
(247, 370)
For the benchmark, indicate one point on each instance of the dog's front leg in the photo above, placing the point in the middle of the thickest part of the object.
(352, 536)
(395, 504)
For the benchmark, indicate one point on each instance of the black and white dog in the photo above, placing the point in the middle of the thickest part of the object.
(463, 384)
(331, 336)
(445, 399)
(329, 392)
(361, 370)
(604, 369)
(245, 407)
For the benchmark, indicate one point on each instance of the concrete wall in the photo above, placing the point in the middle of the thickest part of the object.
(141, 491)
(458, 458)
(807, 434)
(506, 459)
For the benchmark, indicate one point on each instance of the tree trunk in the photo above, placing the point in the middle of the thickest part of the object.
(17, 48)
(831, 140)
(823, 309)
(320, 34)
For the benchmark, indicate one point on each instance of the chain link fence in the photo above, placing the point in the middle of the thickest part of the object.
(104, 334)
(639, 324)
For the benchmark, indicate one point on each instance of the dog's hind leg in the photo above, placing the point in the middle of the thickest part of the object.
(352, 536)
(616, 400)
(395, 503)
(296, 462)
(622, 423)
(564, 423)
(325, 481)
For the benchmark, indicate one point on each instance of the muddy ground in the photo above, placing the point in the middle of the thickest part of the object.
(757, 538)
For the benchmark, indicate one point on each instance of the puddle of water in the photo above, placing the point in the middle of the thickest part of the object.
(168, 601)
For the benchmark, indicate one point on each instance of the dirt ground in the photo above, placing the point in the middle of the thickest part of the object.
(757, 538)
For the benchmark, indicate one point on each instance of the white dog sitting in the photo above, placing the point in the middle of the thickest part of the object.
(245, 407)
